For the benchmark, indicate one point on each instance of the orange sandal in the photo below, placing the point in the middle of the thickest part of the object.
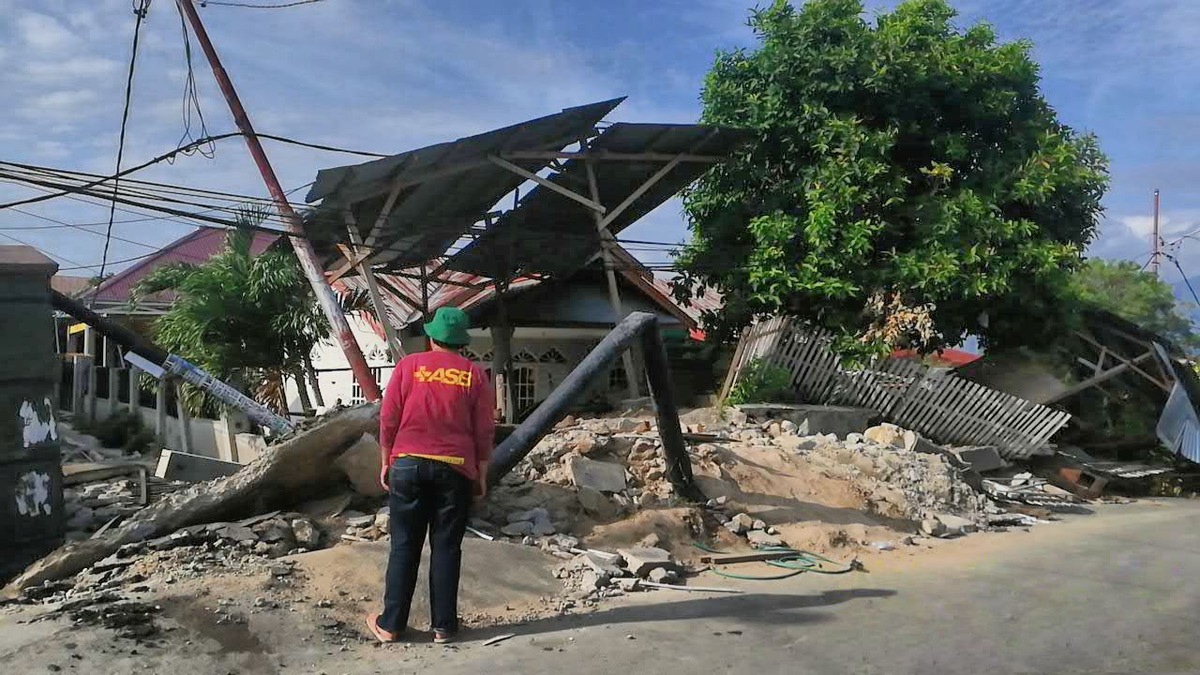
(380, 634)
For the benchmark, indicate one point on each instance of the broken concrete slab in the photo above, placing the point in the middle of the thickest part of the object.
(760, 539)
(182, 466)
(981, 459)
(815, 419)
(661, 575)
(521, 528)
(954, 526)
(601, 476)
(292, 467)
(360, 464)
(600, 564)
(640, 561)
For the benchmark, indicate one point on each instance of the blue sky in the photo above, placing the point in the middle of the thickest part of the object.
(391, 75)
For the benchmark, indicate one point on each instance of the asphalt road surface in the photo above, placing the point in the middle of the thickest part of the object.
(1113, 592)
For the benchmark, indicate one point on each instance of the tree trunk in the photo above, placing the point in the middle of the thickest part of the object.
(302, 391)
(312, 379)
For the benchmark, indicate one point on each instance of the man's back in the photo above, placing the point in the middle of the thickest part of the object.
(439, 404)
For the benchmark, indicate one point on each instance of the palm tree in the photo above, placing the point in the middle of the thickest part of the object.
(250, 320)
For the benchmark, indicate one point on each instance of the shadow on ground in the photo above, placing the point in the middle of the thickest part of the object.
(756, 608)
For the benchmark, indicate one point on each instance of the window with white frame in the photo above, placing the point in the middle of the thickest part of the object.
(356, 393)
(523, 387)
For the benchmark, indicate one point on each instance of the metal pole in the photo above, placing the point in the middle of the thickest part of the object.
(381, 312)
(303, 248)
(1157, 255)
(156, 356)
(556, 406)
(614, 295)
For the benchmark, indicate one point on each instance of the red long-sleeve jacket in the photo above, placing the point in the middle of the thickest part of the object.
(439, 404)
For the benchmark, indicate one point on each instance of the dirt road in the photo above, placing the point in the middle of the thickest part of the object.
(1113, 592)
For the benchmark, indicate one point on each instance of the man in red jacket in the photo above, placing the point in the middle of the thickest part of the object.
(436, 434)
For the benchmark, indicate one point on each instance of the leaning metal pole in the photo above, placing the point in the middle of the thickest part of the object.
(304, 250)
(171, 363)
(638, 325)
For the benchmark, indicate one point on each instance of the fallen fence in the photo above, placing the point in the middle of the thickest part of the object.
(932, 401)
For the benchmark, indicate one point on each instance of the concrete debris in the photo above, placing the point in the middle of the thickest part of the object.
(981, 459)
(595, 503)
(182, 466)
(661, 575)
(601, 476)
(360, 465)
(297, 463)
(946, 525)
(740, 524)
(641, 561)
(306, 533)
(760, 539)
(534, 522)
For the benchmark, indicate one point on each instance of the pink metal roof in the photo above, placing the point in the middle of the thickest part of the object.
(195, 248)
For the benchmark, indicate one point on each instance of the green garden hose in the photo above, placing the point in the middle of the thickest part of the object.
(796, 562)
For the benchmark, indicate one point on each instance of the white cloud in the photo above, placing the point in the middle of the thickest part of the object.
(43, 32)
(64, 105)
(79, 67)
(1171, 224)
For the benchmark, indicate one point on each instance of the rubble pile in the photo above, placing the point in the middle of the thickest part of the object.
(899, 482)
(91, 506)
(591, 575)
(366, 527)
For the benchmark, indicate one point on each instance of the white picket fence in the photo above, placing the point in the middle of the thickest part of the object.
(933, 401)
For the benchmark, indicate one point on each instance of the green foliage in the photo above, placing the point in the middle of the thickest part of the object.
(125, 430)
(246, 319)
(761, 382)
(1121, 287)
(904, 177)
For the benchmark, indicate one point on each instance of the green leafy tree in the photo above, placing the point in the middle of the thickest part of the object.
(1123, 288)
(247, 319)
(906, 183)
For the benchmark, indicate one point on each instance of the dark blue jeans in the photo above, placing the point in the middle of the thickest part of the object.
(425, 495)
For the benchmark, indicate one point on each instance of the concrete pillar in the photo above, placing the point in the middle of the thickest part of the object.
(89, 346)
(31, 497)
(135, 390)
(185, 422)
(160, 411)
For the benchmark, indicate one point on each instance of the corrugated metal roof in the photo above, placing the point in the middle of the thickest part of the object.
(70, 286)
(549, 233)
(449, 186)
(402, 294)
(194, 248)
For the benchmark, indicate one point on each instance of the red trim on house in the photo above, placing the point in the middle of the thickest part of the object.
(951, 357)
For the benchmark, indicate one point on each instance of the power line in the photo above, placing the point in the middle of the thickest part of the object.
(191, 97)
(1183, 274)
(52, 255)
(247, 5)
(139, 11)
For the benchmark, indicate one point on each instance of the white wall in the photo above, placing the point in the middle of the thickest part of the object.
(209, 437)
(531, 351)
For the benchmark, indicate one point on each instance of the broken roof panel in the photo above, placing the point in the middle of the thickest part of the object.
(443, 189)
(550, 233)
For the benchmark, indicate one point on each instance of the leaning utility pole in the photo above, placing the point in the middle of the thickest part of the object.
(1156, 257)
(303, 248)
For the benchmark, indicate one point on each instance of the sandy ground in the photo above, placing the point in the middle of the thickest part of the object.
(1111, 593)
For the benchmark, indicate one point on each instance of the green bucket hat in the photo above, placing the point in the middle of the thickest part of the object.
(449, 327)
